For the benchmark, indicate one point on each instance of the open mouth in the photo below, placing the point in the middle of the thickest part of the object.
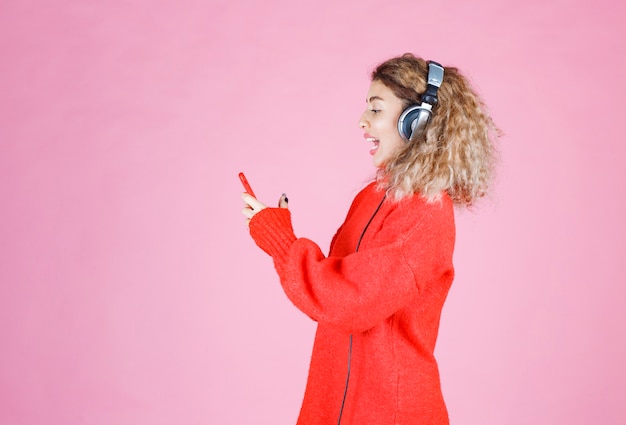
(375, 142)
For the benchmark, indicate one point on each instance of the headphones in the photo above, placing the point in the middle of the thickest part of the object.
(415, 118)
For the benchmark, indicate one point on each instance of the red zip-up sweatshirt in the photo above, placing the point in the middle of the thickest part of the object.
(388, 295)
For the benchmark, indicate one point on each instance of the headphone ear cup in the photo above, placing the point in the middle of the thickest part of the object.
(412, 122)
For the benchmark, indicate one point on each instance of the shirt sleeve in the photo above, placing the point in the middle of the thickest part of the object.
(357, 291)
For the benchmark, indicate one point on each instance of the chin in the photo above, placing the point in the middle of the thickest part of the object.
(379, 163)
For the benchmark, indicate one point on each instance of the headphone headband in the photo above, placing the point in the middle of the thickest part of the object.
(435, 78)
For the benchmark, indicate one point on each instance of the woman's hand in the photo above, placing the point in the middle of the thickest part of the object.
(253, 205)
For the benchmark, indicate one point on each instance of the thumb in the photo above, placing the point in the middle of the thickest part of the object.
(283, 202)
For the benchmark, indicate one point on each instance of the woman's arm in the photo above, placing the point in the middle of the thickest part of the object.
(357, 291)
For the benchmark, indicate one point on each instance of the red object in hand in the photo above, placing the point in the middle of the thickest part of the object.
(246, 185)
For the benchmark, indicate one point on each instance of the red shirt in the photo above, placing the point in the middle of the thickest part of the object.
(388, 296)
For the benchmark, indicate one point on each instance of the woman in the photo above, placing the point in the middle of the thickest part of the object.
(378, 295)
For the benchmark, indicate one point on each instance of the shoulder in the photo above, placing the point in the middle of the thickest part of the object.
(415, 215)
(417, 207)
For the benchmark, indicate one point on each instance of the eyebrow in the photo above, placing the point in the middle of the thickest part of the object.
(373, 98)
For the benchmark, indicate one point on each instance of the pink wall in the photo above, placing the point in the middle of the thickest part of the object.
(130, 292)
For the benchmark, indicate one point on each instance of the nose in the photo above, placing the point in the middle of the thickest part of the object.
(363, 122)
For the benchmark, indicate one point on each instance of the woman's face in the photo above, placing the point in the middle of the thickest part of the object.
(380, 123)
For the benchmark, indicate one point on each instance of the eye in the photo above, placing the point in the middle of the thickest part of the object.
(374, 111)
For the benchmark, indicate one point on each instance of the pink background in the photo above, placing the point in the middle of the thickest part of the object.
(130, 291)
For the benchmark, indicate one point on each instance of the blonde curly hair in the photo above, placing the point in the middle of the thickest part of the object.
(456, 153)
